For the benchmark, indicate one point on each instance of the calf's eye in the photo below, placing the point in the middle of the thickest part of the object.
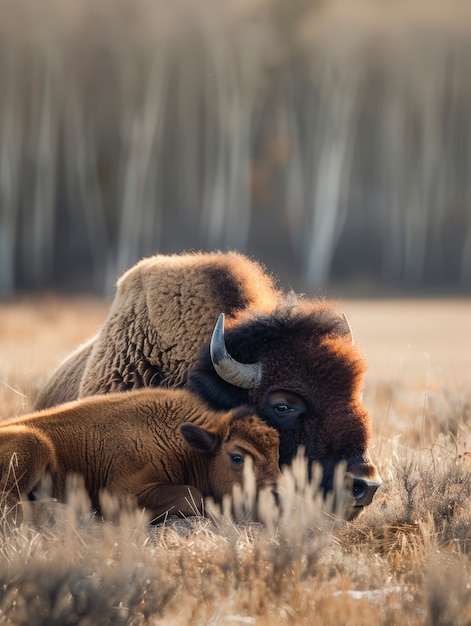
(237, 459)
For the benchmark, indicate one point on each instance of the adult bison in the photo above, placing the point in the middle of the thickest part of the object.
(291, 357)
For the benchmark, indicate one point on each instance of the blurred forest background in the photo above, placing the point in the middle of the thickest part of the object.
(330, 139)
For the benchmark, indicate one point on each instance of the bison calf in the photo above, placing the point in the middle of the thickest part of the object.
(165, 448)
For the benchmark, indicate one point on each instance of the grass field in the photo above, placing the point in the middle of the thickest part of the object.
(406, 560)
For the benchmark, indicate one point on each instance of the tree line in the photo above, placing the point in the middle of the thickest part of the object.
(334, 145)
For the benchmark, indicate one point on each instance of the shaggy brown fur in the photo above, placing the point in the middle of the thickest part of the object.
(158, 333)
(164, 311)
(163, 448)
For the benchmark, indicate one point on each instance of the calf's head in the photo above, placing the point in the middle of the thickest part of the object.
(239, 437)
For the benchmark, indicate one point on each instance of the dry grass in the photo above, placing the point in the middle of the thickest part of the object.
(405, 561)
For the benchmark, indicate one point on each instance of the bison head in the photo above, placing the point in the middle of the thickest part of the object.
(299, 368)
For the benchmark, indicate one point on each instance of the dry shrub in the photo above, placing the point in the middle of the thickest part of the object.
(404, 561)
(301, 562)
(448, 591)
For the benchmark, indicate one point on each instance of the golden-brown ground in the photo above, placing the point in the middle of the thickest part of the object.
(405, 561)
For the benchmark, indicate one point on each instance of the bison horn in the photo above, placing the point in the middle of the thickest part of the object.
(245, 375)
(347, 329)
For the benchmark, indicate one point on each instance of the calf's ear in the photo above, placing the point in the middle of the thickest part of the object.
(199, 438)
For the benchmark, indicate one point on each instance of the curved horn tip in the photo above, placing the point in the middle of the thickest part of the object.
(349, 328)
(217, 347)
(244, 375)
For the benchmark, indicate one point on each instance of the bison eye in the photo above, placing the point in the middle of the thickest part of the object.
(283, 409)
(237, 459)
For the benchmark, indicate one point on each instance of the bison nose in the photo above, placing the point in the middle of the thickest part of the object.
(363, 491)
(362, 482)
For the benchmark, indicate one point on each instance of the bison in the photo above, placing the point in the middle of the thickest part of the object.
(163, 448)
(292, 358)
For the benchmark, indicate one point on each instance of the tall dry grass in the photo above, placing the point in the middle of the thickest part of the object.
(329, 139)
(406, 560)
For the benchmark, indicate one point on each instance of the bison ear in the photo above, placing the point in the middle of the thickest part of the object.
(199, 438)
